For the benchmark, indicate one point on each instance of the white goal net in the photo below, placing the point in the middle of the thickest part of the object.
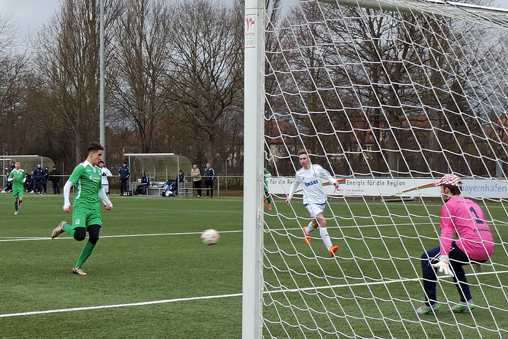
(387, 97)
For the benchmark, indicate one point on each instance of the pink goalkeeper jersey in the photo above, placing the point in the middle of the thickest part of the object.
(465, 219)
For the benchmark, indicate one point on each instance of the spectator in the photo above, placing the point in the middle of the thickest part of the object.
(32, 182)
(28, 182)
(124, 172)
(209, 175)
(8, 184)
(179, 179)
(44, 182)
(105, 174)
(54, 177)
(38, 177)
(169, 188)
(145, 183)
(196, 179)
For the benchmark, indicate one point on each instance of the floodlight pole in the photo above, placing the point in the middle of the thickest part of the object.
(101, 90)
(252, 277)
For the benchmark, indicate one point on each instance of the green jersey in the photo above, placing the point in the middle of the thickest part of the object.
(18, 182)
(88, 181)
(267, 174)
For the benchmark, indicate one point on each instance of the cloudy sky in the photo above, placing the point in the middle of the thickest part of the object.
(30, 15)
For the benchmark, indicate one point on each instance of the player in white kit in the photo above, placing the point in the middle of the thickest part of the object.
(105, 174)
(314, 198)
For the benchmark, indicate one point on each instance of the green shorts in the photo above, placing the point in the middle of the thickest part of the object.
(86, 217)
(18, 192)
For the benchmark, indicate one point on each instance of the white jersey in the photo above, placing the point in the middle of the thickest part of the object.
(105, 174)
(311, 184)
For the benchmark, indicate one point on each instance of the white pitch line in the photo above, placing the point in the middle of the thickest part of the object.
(384, 282)
(10, 239)
(166, 301)
(144, 303)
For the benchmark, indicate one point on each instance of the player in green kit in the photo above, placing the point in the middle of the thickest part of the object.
(86, 213)
(267, 194)
(17, 177)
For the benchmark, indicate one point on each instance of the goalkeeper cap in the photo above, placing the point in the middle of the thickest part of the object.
(450, 179)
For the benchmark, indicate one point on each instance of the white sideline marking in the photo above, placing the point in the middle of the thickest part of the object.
(8, 239)
(166, 301)
(88, 308)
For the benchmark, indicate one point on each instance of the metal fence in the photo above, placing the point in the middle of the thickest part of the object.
(221, 183)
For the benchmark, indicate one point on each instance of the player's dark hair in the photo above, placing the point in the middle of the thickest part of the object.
(101, 162)
(454, 190)
(94, 146)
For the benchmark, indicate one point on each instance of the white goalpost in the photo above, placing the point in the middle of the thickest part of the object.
(387, 96)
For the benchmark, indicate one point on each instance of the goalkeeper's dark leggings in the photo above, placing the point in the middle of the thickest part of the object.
(457, 259)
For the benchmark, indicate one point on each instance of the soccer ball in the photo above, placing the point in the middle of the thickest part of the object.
(210, 237)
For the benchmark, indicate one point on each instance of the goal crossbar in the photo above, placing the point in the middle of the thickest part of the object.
(495, 15)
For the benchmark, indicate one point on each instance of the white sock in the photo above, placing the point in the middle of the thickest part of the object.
(309, 228)
(325, 237)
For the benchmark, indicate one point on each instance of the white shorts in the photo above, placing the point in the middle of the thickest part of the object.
(315, 209)
(106, 188)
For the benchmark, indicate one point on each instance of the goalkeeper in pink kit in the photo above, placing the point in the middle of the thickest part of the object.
(464, 219)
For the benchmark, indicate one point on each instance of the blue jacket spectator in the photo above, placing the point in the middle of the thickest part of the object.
(39, 172)
(44, 180)
(45, 175)
(38, 176)
(54, 177)
(209, 175)
(124, 172)
(145, 183)
(180, 178)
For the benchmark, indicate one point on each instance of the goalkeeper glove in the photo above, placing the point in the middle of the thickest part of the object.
(443, 266)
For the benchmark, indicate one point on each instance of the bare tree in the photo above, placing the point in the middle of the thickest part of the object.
(141, 52)
(68, 62)
(205, 77)
(13, 67)
(360, 84)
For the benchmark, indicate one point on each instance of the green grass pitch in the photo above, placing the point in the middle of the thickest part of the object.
(150, 250)
(150, 276)
(375, 277)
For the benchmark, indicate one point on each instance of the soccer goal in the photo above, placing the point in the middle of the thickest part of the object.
(388, 96)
